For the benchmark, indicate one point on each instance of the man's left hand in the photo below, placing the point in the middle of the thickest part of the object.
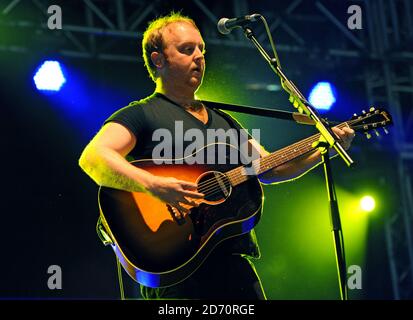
(346, 136)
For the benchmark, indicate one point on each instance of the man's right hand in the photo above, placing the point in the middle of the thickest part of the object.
(178, 193)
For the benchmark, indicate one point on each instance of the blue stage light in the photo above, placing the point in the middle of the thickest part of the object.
(49, 76)
(322, 96)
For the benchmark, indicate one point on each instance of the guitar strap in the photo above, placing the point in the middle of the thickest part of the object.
(265, 112)
(299, 118)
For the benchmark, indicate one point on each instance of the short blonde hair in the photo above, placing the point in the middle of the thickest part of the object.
(153, 40)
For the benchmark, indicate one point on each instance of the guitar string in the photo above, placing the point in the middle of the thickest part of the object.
(213, 191)
(285, 156)
(213, 185)
(216, 188)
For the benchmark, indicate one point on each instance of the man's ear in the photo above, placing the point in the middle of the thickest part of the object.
(158, 59)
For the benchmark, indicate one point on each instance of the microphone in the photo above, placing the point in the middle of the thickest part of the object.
(225, 25)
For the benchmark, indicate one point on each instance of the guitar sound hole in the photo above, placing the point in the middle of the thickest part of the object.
(214, 185)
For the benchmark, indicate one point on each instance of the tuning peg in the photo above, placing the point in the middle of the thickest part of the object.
(355, 115)
(385, 130)
(363, 112)
(377, 133)
(368, 135)
(372, 109)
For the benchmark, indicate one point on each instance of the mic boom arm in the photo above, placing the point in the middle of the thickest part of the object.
(225, 25)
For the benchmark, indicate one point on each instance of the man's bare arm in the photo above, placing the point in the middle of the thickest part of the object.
(104, 161)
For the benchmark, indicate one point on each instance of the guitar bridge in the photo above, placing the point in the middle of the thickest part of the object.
(176, 215)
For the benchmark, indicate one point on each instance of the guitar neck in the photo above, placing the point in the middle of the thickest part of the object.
(275, 159)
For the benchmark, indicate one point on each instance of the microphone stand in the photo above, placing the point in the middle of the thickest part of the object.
(303, 106)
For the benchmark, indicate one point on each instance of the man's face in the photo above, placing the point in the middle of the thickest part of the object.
(184, 54)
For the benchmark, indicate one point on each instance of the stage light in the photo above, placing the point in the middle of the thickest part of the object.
(322, 96)
(367, 203)
(49, 76)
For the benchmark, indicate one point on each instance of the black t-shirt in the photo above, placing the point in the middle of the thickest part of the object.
(156, 112)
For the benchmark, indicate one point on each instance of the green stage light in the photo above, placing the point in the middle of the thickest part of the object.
(367, 203)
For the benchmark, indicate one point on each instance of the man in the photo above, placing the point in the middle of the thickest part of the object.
(173, 50)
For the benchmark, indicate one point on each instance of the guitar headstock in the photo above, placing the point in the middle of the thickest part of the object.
(371, 121)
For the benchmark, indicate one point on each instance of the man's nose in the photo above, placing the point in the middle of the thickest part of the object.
(199, 54)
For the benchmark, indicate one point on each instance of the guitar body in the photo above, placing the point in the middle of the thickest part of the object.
(157, 245)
